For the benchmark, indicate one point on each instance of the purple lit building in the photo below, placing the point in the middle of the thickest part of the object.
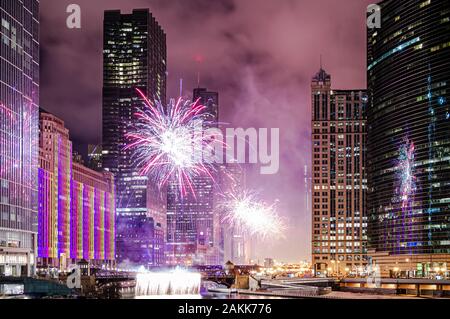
(19, 100)
(76, 212)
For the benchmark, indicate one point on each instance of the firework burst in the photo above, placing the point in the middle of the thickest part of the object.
(406, 173)
(252, 216)
(165, 141)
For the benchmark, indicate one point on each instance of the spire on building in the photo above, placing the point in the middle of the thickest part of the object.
(322, 75)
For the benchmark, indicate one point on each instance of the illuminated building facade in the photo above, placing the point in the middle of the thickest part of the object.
(339, 221)
(141, 240)
(19, 111)
(134, 57)
(76, 212)
(192, 224)
(409, 138)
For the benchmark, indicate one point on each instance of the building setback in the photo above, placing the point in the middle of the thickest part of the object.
(134, 57)
(338, 178)
(19, 116)
(76, 212)
(409, 139)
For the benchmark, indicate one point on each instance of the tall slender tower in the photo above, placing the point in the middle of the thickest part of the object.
(191, 222)
(19, 134)
(134, 57)
(338, 180)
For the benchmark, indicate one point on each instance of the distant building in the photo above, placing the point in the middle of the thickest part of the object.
(236, 243)
(409, 139)
(19, 109)
(339, 221)
(140, 241)
(94, 156)
(134, 57)
(269, 263)
(76, 212)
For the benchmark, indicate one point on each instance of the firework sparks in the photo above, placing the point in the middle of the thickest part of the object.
(252, 216)
(165, 141)
(406, 172)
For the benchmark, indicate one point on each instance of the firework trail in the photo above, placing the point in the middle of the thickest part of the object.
(167, 142)
(252, 216)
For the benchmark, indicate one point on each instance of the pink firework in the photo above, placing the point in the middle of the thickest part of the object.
(168, 143)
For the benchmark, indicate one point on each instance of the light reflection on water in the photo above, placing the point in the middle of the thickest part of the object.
(206, 296)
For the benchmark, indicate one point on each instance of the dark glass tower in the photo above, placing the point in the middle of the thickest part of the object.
(134, 57)
(192, 225)
(19, 120)
(409, 137)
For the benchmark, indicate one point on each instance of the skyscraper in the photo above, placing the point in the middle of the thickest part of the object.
(236, 243)
(409, 138)
(338, 177)
(134, 57)
(192, 228)
(19, 112)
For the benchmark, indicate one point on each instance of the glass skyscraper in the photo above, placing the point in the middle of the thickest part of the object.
(134, 57)
(19, 112)
(409, 138)
(192, 225)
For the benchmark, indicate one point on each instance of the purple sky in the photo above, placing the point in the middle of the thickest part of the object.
(258, 54)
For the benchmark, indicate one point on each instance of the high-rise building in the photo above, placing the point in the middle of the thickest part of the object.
(19, 111)
(192, 226)
(236, 243)
(409, 138)
(76, 211)
(134, 57)
(338, 177)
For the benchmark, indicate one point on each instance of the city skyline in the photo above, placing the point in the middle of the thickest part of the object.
(224, 149)
(248, 76)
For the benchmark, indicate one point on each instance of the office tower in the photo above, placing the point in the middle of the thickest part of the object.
(134, 57)
(236, 243)
(157, 210)
(19, 100)
(144, 240)
(409, 138)
(76, 211)
(192, 228)
(338, 182)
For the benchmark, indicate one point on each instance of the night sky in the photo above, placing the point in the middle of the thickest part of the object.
(259, 55)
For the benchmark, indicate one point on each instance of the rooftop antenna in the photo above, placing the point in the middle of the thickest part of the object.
(198, 60)
(321, 61)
